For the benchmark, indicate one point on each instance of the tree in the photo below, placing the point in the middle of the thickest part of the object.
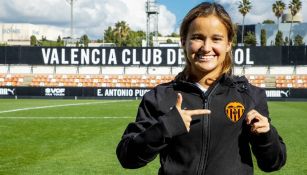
(268, 21)
(244, 8)
(169, 41)
(84, 40)
(108, 36)
(279, 39)
(121, 36)
(263, 37)
(134, 39)
(298, 40)
(121, 32)
(33, 40)
(235, 37)
(141, 36)
(250, 39)
(278, 8)
(44, 38)
(59, 41)
(152, 35)
(174, 35)
(294, 6)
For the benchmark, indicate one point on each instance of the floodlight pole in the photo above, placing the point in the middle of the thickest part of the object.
(151, 9)
(71, 2)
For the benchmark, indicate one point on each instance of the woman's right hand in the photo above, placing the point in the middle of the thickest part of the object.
(186, 114)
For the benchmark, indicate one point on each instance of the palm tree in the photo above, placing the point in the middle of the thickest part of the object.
(121, 31)
(294, 6)
(278, 9)
(244, 8)
(84, 40)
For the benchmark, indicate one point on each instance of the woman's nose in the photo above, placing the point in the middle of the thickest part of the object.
(206, 46)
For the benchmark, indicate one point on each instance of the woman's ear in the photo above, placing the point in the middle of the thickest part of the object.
(229, 46)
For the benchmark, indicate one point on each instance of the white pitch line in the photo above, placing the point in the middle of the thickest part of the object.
(64, 105)
(75, 118)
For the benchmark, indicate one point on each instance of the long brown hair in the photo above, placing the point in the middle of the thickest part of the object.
(202, 10)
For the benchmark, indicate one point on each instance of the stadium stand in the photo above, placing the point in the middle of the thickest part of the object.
(103, 77)
(134, 76)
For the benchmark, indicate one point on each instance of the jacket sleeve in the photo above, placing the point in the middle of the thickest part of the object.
(268, 148)
(149, 134)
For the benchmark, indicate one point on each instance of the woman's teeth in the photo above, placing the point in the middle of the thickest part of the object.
(206, 58)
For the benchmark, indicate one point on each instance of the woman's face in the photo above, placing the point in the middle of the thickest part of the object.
(206, 45)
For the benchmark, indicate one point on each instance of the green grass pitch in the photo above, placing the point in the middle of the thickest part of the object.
(48, 137)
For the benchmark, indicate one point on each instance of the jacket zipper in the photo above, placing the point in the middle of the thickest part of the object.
(205, 133)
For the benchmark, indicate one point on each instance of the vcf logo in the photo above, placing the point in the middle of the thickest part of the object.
(234, 111)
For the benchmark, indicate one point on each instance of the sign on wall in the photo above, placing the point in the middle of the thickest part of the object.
(115, 93)
(143, 56)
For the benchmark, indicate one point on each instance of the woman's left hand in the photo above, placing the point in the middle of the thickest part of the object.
(259, 124)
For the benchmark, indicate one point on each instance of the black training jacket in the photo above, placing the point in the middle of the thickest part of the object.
(219, 143)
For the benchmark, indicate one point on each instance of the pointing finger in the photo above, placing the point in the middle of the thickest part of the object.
(198, 112)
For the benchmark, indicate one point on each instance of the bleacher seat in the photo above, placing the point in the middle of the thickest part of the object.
(289, 81)
(257, 80)
(11, 79)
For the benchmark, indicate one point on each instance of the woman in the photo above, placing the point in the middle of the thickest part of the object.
(205, 120)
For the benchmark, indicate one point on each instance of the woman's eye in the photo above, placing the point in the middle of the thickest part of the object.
(195, 38)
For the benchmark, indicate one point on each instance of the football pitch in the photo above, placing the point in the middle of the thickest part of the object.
(69, 137)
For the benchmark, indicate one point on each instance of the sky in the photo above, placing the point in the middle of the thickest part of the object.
(92, 17)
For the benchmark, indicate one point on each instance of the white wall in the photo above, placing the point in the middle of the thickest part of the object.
(43, 69)
(112, 70)
(89, 70)
(66, 69)
(20, 69)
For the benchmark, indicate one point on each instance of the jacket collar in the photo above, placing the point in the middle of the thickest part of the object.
(225, 81)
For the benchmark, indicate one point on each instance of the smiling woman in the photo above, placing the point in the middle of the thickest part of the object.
(205, 120)
(206, 48)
